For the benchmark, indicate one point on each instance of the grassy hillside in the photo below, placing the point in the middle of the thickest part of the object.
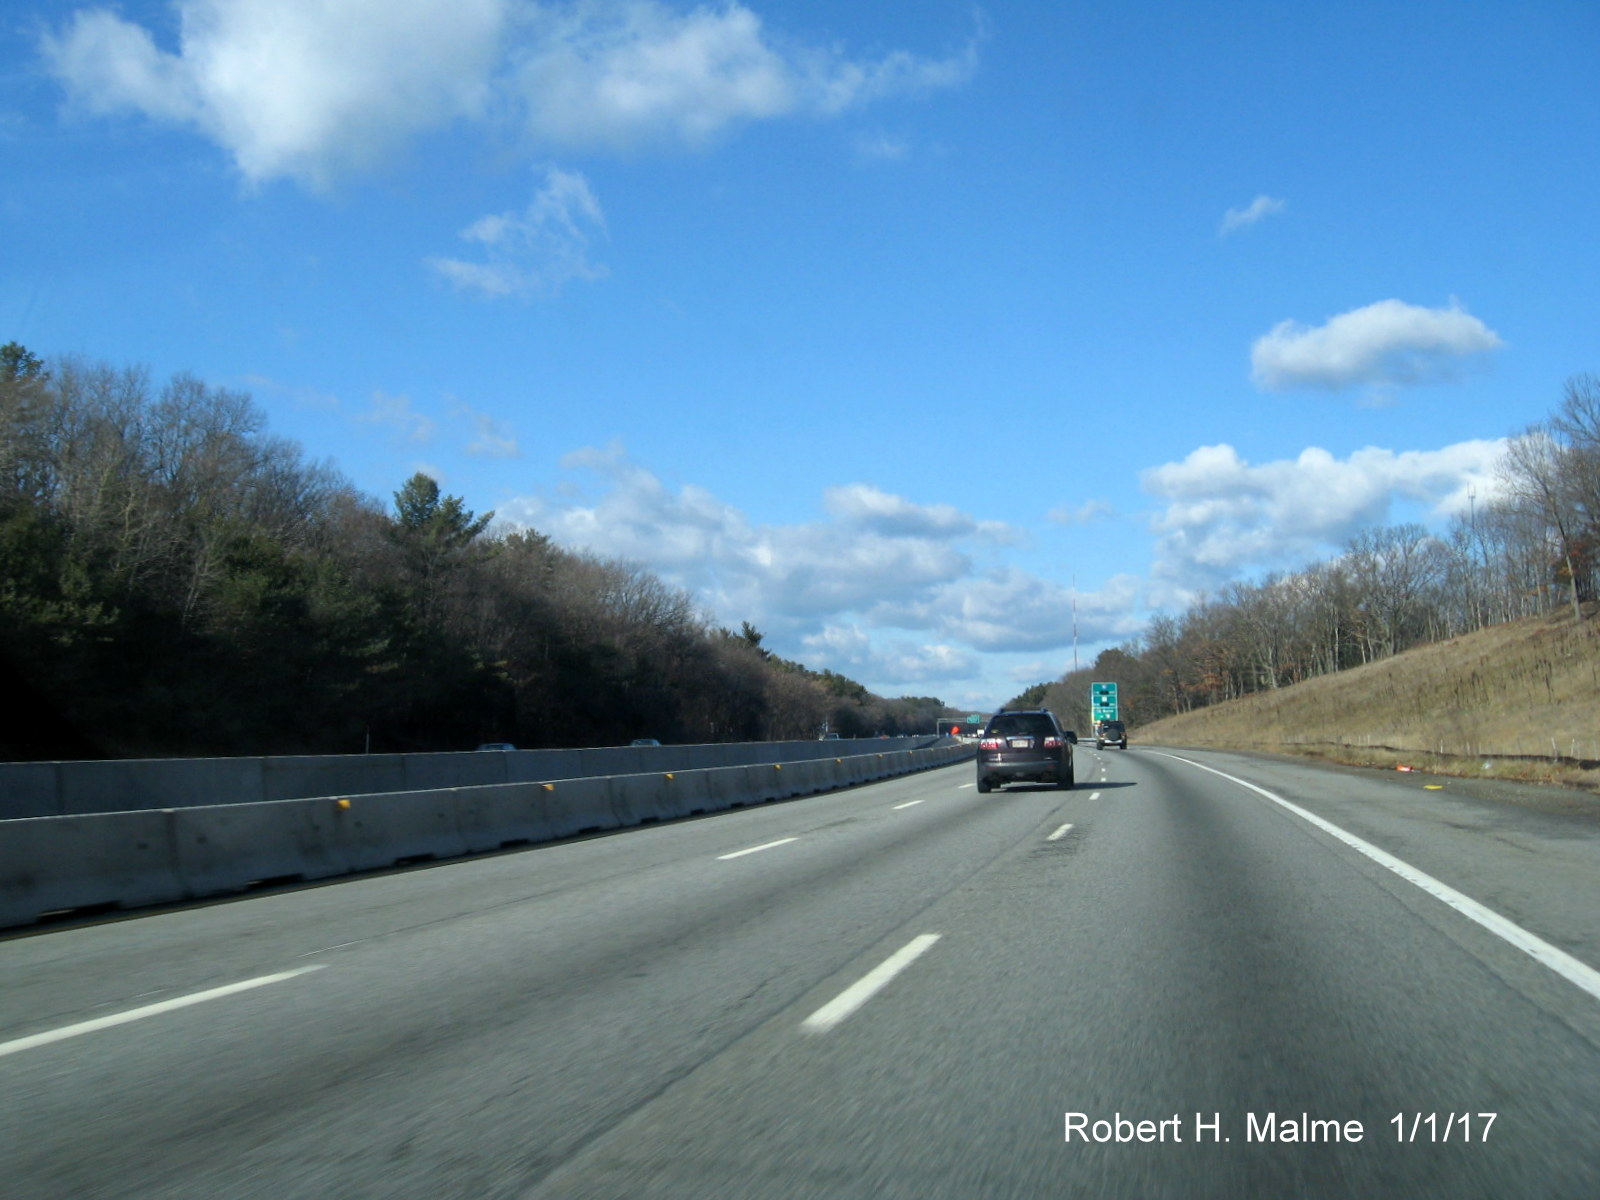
(1520, 701)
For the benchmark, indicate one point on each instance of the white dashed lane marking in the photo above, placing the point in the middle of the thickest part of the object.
(868, 986)
(149, 1010)
(757, 849)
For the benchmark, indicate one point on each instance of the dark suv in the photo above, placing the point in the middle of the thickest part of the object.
(1111, 733)
(1024, 745)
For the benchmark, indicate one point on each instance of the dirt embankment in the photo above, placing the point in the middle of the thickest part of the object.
(1518, 701)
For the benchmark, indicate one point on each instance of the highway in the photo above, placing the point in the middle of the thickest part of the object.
(900, 990)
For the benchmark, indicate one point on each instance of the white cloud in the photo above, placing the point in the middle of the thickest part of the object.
(1086, 513)
(1389, 343)
(871, 508)
(848, 650)
(303, 89)
(313, 90)
(880, 147)
(478, 433)
(838, 587)
(491, 437)
(1224, 515)
(619, 75)
(1008, 610)
(1240, 218)
(109, 64)
(404, 423)
(536, 251)
(299, 395)
(796, 574)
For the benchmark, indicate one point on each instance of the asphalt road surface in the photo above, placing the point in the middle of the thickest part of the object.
(1195, 974)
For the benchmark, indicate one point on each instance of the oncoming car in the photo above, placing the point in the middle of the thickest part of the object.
(1024, 746)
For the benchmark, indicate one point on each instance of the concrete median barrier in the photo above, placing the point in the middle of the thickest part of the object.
(141, 857)
(492, 818)
(303, 777)
(766, 781)
(30, 790)
(128, 785)
(835, 773)
(573, 806)
(806, 778)
(108, 861)
(230, 847)
(376, 831)
(727, 787)
(422, 772)
(542, 766)
(75, 788)
(640, 799)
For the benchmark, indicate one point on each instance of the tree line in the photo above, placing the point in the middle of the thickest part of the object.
(175, 579)
(1532, 548)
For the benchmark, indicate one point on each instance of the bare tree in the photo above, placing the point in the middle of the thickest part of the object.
(1534, 471)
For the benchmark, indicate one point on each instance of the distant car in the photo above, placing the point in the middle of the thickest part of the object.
(1024, 746)
(1110, 733)
(497, 746)
(644, 742)
(829, 737)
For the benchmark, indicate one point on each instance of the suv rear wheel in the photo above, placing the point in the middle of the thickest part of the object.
(983, 785)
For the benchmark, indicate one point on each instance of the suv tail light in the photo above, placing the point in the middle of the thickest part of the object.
(991, 744)
(1052, 743)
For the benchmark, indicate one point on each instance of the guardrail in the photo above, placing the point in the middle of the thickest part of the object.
(129, 859)
(62, 789)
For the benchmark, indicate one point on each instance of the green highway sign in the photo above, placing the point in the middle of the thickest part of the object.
(1102, 701)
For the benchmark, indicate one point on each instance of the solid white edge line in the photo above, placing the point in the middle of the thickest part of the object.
(908, 804)
(863, 989)
(149, 1010)
(755, 849)
(1058, 834)
(1573, 970)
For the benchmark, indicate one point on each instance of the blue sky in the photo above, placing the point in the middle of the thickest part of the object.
(879, 326)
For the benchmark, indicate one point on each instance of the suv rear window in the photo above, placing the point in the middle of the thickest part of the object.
(1012, 724)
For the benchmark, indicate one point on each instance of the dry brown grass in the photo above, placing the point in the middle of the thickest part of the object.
(1518, 701)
